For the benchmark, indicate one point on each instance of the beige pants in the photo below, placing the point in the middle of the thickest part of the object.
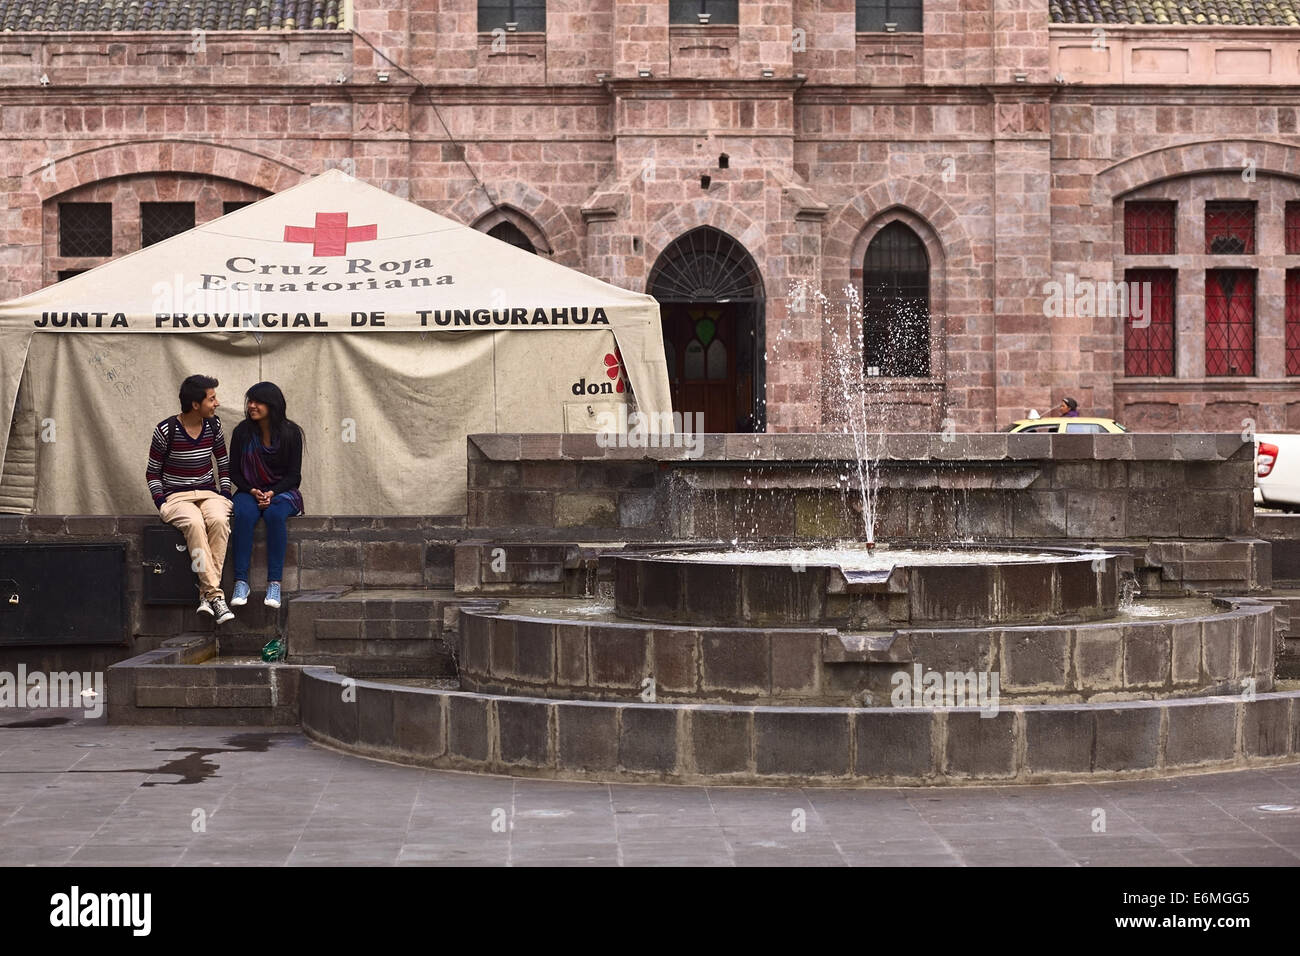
(204, 518)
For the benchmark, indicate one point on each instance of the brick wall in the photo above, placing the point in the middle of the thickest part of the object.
(1008, 184)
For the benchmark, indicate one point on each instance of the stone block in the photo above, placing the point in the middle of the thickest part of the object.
(1128, 738)
(953, 650)
(515, 509)
(1196, 447)
(474, 649)
(1035, 658)
(548, 475)
(586, 510)
(1095, 514)
(1058, 740)
(801, 742)
(1153, 447)
(571, 655)
(1072, 447)
(467, 727)
(535, 651)
(312, 702)
(1153, 513)
(1245, 646)
(1266, 644)
(1266, 726)
(375, 717)
(586, 736)
(735, 661)
(721, 741)
(1029, 445)
(676, 660)
(581, 446)
(979, 746)
(894, 743)
(1186, 656)
(1116, 447)
(342, 715)
(418, 723)
(97, 526)
(647, 739)
(1039, 514)
(1098, 661)
(523, 732)
(1146, 654)
(1218, 649)
(796, 663)
(1200, 733)
(501, 640)
(618, 656)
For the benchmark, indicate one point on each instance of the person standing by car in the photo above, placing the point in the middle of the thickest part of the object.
(267, 448)
(186, 490)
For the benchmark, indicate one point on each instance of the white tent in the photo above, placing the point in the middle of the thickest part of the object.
(392, 331)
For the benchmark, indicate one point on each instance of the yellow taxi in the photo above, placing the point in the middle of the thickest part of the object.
(1069, 426)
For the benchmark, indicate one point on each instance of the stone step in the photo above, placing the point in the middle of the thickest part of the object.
(372, 631)
(864, 647)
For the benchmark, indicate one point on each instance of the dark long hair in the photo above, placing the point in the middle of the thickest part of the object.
(283, 429)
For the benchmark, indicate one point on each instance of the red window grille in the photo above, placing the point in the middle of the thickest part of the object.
(1149, 338)
(1229, 322)
(1148, 228)
(1293, 322)
(1293, 229)
(1230, 228)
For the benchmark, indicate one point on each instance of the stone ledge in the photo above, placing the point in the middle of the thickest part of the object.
(818, 446)
(835, 746)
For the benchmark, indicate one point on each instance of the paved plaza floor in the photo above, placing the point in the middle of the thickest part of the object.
(84, 793)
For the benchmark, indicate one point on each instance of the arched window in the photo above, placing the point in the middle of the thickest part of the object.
(509, 232)
(528, 16)
(896, 304)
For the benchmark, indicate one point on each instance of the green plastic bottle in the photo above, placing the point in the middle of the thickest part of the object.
(274, 650)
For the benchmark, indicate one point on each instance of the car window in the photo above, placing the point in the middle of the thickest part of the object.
(1039, 428)
(1083, 428)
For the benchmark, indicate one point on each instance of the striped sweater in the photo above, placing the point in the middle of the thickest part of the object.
(188, 464)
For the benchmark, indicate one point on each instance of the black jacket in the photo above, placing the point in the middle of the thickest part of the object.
(287, 458)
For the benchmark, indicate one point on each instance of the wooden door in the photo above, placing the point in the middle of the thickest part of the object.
(701, 344)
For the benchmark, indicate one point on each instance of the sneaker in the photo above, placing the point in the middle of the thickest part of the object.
(272, 594)
(204, 607)
(222, 612)
(240, 597)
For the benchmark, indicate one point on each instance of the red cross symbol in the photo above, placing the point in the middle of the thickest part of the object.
(331, 235)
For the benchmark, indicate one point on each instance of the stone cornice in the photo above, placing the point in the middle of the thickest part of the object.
(657, 88)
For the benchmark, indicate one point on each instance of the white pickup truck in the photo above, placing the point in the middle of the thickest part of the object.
(1277, 471)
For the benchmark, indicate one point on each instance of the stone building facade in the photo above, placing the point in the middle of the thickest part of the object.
(981, 172)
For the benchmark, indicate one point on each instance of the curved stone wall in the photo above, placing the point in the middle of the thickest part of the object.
(779, 746)
(501, 653)
(674, 590)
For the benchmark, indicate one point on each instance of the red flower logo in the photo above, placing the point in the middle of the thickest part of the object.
(613, 366)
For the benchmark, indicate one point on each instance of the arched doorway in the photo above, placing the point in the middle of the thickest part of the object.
(507, 231)
(711, 305)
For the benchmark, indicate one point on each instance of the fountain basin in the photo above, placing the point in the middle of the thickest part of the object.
(856, 587)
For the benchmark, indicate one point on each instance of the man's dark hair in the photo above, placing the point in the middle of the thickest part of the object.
(195, 389)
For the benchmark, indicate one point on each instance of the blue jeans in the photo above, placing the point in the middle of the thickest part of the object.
(242, 522)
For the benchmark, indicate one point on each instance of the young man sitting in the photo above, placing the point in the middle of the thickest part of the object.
(188, 493)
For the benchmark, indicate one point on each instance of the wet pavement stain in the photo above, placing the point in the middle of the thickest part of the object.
(195, 766)
(38, 722)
